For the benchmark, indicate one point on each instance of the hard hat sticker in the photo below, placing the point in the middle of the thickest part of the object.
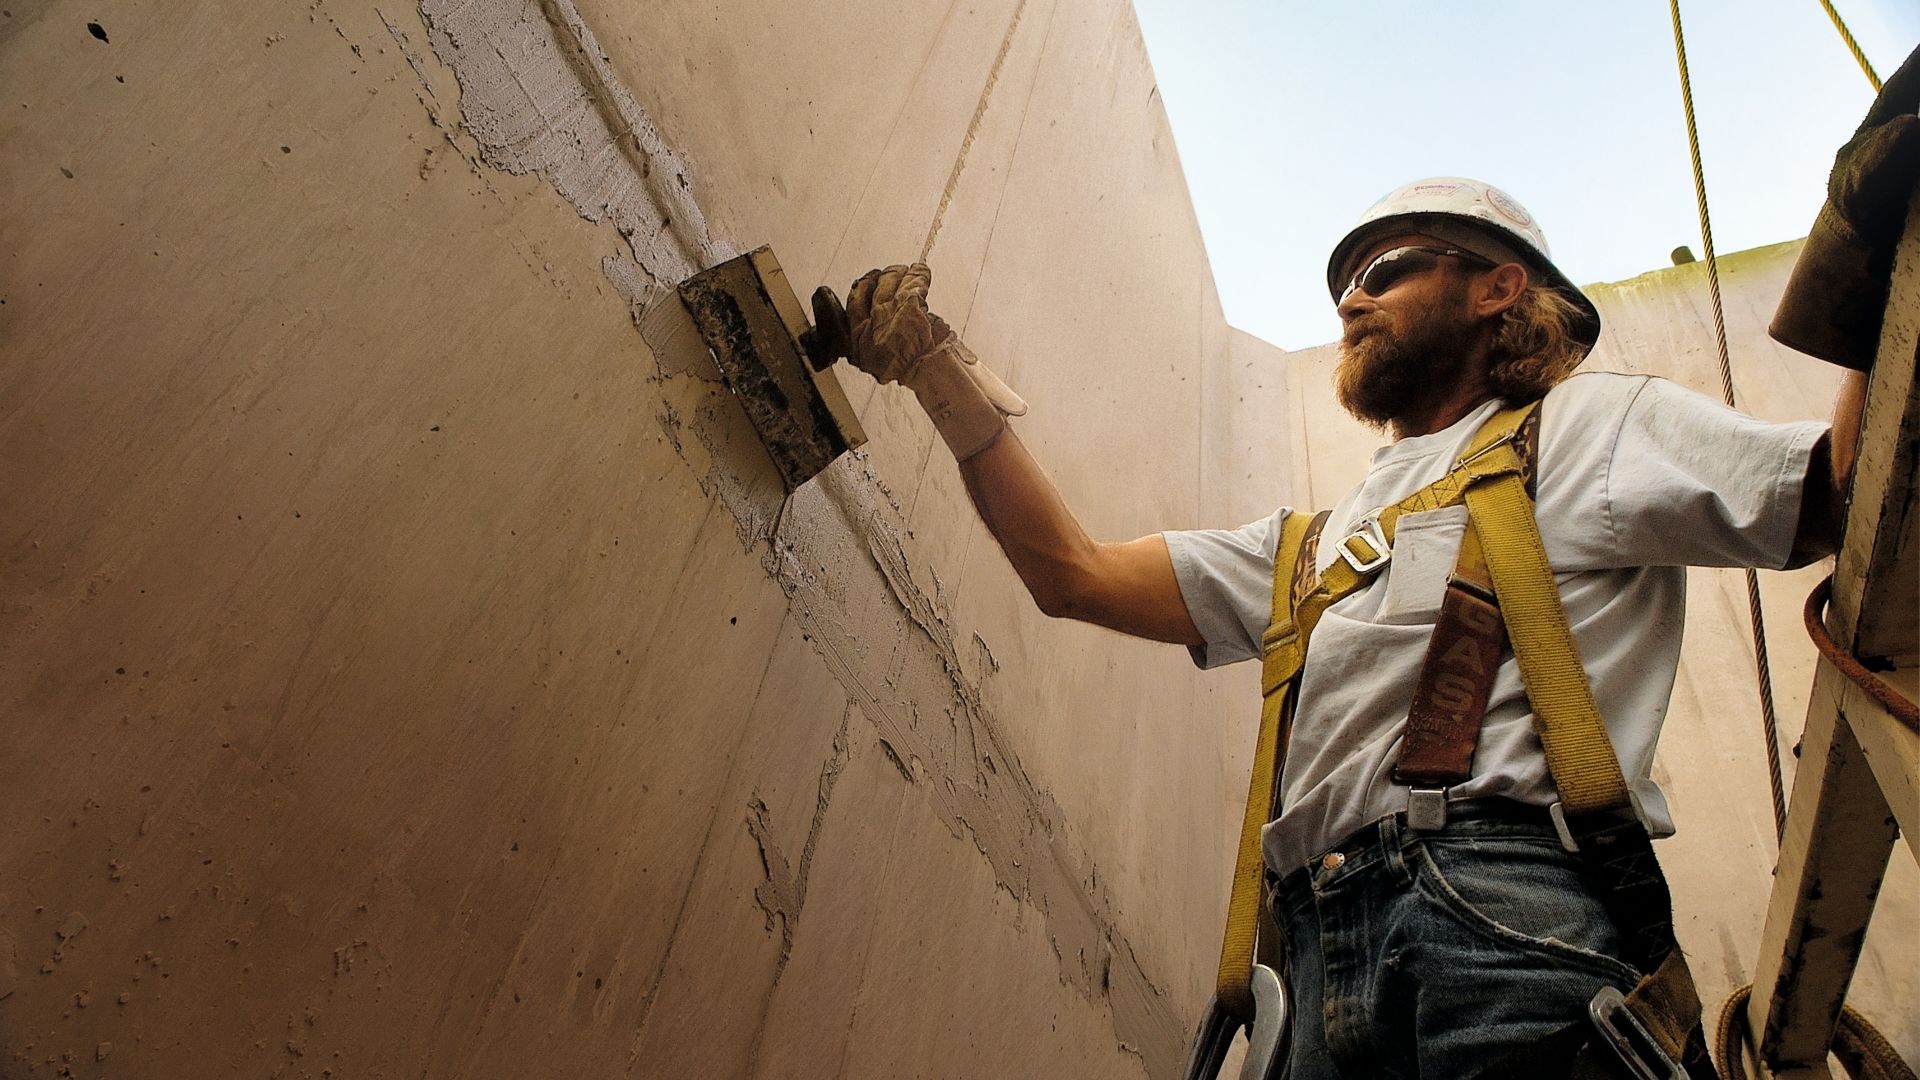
(1504, 203)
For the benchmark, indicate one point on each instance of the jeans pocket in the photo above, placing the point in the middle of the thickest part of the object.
(1526, 894)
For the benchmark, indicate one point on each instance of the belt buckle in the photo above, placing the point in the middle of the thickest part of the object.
(1369, 531)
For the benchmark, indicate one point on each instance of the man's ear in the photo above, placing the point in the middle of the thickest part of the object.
(1498, 289)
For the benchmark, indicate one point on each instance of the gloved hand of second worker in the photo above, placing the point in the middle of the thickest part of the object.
(897, 339)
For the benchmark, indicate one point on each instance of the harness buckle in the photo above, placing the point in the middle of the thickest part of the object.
(1558, 813)
(1427, 809)
(1629, 1038)
(1266, 1035)
(1272, 1017)
(1368, 532)
(1496, 444)
(1634, 810)
(1211, 1041)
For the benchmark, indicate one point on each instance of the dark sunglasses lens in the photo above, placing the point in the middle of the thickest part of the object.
(1392, 268)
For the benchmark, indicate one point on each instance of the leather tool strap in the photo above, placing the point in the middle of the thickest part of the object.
(1276, 713)
(1463, 656)
(1450, 699)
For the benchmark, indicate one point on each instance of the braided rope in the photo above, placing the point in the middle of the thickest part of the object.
(1862, 1050)
(1768, 719)
(1853, 46)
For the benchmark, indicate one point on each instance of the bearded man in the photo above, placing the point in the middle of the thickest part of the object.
(1433, 928)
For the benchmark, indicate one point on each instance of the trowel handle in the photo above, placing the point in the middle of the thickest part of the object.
(830, 338)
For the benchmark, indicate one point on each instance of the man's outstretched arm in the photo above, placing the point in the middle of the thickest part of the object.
(1127, 587)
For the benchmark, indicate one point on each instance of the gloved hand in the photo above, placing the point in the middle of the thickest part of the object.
(896, 339)
(1874, 173)
(1836, 296)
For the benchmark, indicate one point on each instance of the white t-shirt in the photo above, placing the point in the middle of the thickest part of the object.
(1637, 479)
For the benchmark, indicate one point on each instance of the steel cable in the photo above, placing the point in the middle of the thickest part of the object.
(1767, 717)
(1853, 46)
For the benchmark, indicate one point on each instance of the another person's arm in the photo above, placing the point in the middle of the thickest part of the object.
(1823, 506)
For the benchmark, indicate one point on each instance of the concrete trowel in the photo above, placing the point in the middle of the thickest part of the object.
(777, 365)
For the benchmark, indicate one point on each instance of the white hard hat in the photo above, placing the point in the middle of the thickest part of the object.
(1469, 214)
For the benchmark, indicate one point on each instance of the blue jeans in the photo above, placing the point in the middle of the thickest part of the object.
(1432, 955)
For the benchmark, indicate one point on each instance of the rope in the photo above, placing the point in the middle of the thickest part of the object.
(1853, 46)
(1767, 718)
(1862, 1050)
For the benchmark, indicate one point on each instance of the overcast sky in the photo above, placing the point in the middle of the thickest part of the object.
(1292, 116)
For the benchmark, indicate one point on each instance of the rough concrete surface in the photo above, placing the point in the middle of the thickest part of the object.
(412, 669)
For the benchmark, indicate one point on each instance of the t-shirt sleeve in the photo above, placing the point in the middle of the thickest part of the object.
(1226, 579)
(1658, 475)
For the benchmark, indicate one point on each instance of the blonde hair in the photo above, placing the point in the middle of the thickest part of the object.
(1534, 345)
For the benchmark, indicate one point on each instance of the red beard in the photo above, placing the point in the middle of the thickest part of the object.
(1392, 365)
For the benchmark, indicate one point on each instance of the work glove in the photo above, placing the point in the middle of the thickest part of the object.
(896, 339)
(1837, 295)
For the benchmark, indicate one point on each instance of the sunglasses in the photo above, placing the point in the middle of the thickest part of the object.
(1393, 267)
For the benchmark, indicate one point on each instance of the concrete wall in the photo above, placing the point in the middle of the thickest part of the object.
(1712, 759)
(408, 672)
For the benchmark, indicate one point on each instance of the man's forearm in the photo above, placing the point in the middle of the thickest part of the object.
(1129, 587)
(1024, 511)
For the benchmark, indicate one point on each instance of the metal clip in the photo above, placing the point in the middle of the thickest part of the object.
(1629, 1038)
(1558, 813)
(1211, 1040)
(1268, 1037)
(1427, 809)
(1370, 532)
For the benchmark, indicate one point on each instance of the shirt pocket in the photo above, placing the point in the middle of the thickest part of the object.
(1425, 546)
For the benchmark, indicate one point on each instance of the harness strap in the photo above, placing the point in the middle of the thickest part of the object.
(1503, 586)
(1299, 599)
(1231, 986)
(1363, 552)
(1579, 754)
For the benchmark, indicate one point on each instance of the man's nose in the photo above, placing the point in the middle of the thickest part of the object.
(1353, 305)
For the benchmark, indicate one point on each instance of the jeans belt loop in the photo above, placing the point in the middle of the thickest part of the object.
(1427, 809)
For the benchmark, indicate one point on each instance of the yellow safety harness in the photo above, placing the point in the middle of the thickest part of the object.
(1491, 480)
